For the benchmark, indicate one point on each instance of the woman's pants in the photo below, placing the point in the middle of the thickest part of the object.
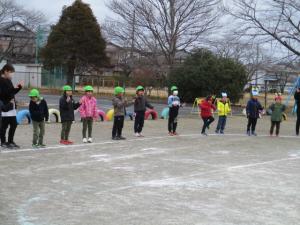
(10, 121)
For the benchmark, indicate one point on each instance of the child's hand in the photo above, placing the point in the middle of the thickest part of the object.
(21, 84)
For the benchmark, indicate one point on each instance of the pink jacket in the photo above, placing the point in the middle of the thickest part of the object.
(88, 107)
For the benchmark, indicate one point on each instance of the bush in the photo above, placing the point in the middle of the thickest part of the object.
(204, 73)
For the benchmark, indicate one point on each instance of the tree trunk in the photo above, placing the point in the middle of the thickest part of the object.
(70, 75)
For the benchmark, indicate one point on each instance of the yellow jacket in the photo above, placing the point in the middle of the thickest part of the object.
(223, 108)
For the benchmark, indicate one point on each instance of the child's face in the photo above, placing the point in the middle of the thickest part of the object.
(34, 99)
(140, 93)
(120, 94)
(224, 99)
(69, 93)
(8, 74)
(278, 100)
(89, 93)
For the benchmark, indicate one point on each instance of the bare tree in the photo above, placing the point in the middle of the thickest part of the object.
(250, 54)
(10, 12)
(162, 27)
(269, 20)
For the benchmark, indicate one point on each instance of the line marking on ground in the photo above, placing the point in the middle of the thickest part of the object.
(130, 140)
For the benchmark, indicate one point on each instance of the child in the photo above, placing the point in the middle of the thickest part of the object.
(277, 109)
(7, 95)
(140, 105)
(223, 110)
(207, 107)
(66, 108)
(119, 104)
(253, 109)
(174, 104)
(39, 114)
(88, 113)
(297, 102)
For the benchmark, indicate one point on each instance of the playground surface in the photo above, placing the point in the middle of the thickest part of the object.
(157, 180)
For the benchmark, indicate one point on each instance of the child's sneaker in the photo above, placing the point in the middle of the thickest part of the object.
(141, 135)
(90, 140)
(63, 142)
(175, 133)
(69, 142)
(248, 133)
(171, 134)
(122, 138)
(254, 134)
(204, 134)
(35, 146)
(42, 145)
(221, 132)
(137, 134)
(115, 138)
(84, 140)
(217, 131)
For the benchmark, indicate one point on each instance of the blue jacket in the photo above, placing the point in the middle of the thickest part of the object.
(173, 101)
(253, 108)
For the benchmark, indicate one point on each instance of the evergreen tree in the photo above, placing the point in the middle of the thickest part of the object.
(75, 42)
(204, 73)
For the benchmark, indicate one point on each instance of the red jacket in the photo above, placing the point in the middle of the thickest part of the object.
(206, 109)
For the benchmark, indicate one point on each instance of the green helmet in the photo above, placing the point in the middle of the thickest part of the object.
(119, 90)
(140, 88)
(88, 88)
(67, 88)
(34, 93)
(174, 88)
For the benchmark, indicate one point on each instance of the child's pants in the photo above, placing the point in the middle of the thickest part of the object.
(139, 121)
(10, 121)
(87, 124)
(65, 130)
(298, 123)
(273, 124)
(38, 132)
(251, 124)
(206, 122)
(118, 126)
(221, 123)
(172, 122)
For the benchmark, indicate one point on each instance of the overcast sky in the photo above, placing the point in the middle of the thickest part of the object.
(52, 8)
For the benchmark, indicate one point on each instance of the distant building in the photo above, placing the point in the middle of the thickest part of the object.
(17, 43)
(278, 77)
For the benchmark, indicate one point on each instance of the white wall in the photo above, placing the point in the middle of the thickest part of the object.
(29, 73)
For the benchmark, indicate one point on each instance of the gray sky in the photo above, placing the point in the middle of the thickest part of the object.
(52, 8)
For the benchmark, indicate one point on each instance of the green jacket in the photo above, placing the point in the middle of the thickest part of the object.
(277, 111)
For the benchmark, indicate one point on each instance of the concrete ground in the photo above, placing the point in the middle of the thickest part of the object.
(156, 180)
